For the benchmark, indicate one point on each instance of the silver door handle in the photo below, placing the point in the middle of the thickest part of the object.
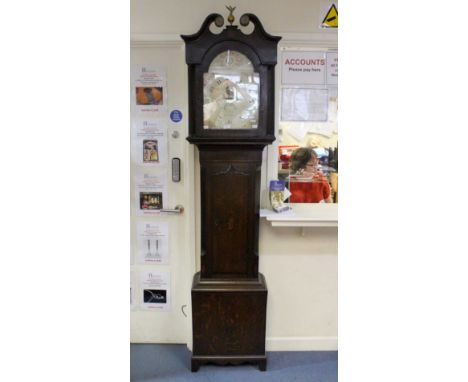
(177, 209)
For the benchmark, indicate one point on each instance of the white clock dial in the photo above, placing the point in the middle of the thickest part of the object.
(231, 90)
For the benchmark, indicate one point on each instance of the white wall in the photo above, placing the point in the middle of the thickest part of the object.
(300, 266)
(185, 16)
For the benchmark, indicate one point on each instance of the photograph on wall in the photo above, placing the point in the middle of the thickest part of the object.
(151, 200)
(149, 142)
(155, 296)
(150, 151)
(155, 290)
(150, 192)
(153, 243)
(149, 93)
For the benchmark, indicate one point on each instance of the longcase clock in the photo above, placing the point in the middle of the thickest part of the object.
(231, 120)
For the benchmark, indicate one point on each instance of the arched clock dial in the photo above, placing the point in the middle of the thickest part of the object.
(231, 91)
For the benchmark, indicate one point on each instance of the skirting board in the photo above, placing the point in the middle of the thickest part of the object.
(301, 343)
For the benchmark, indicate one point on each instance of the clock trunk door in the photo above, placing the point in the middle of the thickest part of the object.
(230, 178)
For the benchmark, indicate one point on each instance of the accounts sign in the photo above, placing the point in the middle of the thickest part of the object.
(304, 67)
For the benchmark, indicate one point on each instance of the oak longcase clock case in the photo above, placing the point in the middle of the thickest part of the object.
(231, 120)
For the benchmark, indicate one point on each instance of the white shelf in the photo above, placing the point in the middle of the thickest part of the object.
(304, 215)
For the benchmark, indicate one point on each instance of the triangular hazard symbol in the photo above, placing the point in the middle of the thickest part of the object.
(331, 19)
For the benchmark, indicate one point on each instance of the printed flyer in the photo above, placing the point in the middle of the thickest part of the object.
(149, 92)
(155, 291)
(150, 193)
(149, 142)
(153, 243)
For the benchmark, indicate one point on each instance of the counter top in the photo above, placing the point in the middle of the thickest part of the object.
(304, 215)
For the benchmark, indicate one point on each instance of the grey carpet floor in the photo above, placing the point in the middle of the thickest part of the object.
(161, 363)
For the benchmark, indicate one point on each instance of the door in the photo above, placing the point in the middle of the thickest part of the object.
(174, 324)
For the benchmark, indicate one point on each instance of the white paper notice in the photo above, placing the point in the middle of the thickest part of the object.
(153, 243)
(304, 104)
(149, 91)
(303, 67)
(155, 290)
(150, 192)
(149, 142)
(332, 68)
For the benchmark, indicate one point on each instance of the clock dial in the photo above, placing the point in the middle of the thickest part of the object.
(231, 91)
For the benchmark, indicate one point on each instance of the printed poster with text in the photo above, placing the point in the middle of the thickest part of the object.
(150, 193)
(309, 91)
(149, 142)
(149, 90)
(303, 67)
(155, 291)
(153, 243)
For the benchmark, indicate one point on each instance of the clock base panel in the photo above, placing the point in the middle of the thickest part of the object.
(229, 321)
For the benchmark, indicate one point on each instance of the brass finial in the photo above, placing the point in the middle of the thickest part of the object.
(230, 18)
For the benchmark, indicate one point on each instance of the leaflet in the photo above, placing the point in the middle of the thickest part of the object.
(149, 91)
(150, 193)
(155, 291)
(153, 243)
(149, 142)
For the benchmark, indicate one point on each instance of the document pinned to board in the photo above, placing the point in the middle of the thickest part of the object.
(304, 104)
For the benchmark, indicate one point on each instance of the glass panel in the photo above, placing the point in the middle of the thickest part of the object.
(312, 174)
(308, 125)
(230, 89)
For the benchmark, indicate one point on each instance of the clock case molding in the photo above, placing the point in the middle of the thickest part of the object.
(229, 295)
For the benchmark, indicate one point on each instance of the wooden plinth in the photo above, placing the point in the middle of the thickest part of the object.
(229, 321)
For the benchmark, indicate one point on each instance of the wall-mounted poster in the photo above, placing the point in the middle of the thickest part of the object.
(149, 142)
(155, 293)
(309, 68)
(149, 90)
(303, 67)
(153, 243)
(309, 92)
(150, 192)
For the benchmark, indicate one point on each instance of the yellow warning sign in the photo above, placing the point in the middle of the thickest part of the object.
(331, 19)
